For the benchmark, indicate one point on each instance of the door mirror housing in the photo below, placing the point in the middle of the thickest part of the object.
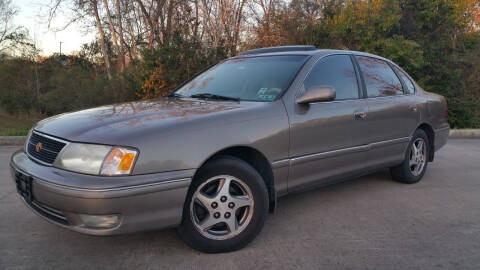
(317, 94)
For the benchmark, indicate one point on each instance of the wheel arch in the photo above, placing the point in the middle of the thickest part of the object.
(427, 128)
(257, 160)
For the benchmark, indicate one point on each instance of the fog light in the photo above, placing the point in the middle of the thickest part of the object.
(104, 222)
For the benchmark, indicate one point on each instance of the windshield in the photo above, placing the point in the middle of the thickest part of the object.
(254, 79)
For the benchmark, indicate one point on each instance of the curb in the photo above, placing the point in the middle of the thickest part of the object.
(464, 133)
(454, 134)
(12, 140)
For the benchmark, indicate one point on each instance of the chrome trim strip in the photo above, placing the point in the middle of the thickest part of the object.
(389, 142)
(329, 154)
(280, 163)
(25, 146)
(115, 189)
(338, 152)
(50, 137)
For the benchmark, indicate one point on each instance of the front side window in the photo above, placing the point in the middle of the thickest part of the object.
(255, 78)
(380, 79)
(335, 71)
(408, 83)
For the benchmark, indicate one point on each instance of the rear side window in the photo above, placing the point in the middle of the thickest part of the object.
(408, 83)
(335, 71)
(380, 79)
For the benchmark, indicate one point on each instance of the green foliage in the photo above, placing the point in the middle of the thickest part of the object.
(428, 38)
(16, 85)
(14, 132)
(433, 40)
(16, 125)
(165, 68)
(47, 87)
(406, 53)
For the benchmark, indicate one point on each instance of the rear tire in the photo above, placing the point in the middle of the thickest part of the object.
(226, 206)
(415, 162)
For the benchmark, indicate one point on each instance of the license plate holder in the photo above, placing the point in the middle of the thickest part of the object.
(24, 186)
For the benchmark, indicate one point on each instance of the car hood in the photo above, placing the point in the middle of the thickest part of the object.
(104, 124)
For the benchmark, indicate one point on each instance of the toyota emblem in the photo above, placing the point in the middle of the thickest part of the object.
(38, 147)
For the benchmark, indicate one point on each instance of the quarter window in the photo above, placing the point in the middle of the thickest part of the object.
(408, 83)
(335, 71)
(380, 79)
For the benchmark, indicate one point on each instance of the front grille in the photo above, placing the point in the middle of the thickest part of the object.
(43, 148)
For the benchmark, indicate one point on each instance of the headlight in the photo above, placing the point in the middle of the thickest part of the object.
(119, 161)
(96, 159)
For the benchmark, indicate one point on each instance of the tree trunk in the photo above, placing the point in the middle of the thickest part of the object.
(114, 35)
(238, 24)
(133, 48)
(102, 38)
(168, 30)
(151, 23)
(120, 32)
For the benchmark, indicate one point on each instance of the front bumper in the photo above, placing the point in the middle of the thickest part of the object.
(142, 202)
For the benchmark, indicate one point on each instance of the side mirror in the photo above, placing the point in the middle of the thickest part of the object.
(317, 94)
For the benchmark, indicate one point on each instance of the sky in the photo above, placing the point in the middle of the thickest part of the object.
(49, 40)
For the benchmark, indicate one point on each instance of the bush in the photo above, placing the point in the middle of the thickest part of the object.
(167, 67)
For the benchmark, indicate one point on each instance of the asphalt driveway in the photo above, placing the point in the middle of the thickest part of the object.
(367, 223)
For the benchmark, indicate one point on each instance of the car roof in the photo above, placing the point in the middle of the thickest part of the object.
(303, 50)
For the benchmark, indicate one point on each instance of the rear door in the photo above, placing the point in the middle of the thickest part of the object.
(326, 138)
(392, 114)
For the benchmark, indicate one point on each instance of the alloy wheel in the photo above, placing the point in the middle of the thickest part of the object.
(221, 207)
(418, 156)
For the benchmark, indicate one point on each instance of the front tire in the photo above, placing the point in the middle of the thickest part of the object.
(415, 162)
(226, 206)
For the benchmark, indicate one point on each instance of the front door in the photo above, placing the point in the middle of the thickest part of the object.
(327, 138)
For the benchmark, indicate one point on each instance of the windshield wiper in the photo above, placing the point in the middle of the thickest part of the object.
(174, 95)
(214, 96)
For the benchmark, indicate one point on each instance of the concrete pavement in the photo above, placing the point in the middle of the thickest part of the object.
(367, 223)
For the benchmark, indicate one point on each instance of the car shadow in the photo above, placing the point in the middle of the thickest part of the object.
(298, 217)
(289, 208)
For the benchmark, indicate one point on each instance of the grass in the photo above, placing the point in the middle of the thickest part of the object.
(14, 132)
(15, 126)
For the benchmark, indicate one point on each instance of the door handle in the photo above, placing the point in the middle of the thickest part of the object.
(413, 108)
(360, 115)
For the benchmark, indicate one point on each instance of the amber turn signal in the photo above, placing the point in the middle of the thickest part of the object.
(119, 161)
